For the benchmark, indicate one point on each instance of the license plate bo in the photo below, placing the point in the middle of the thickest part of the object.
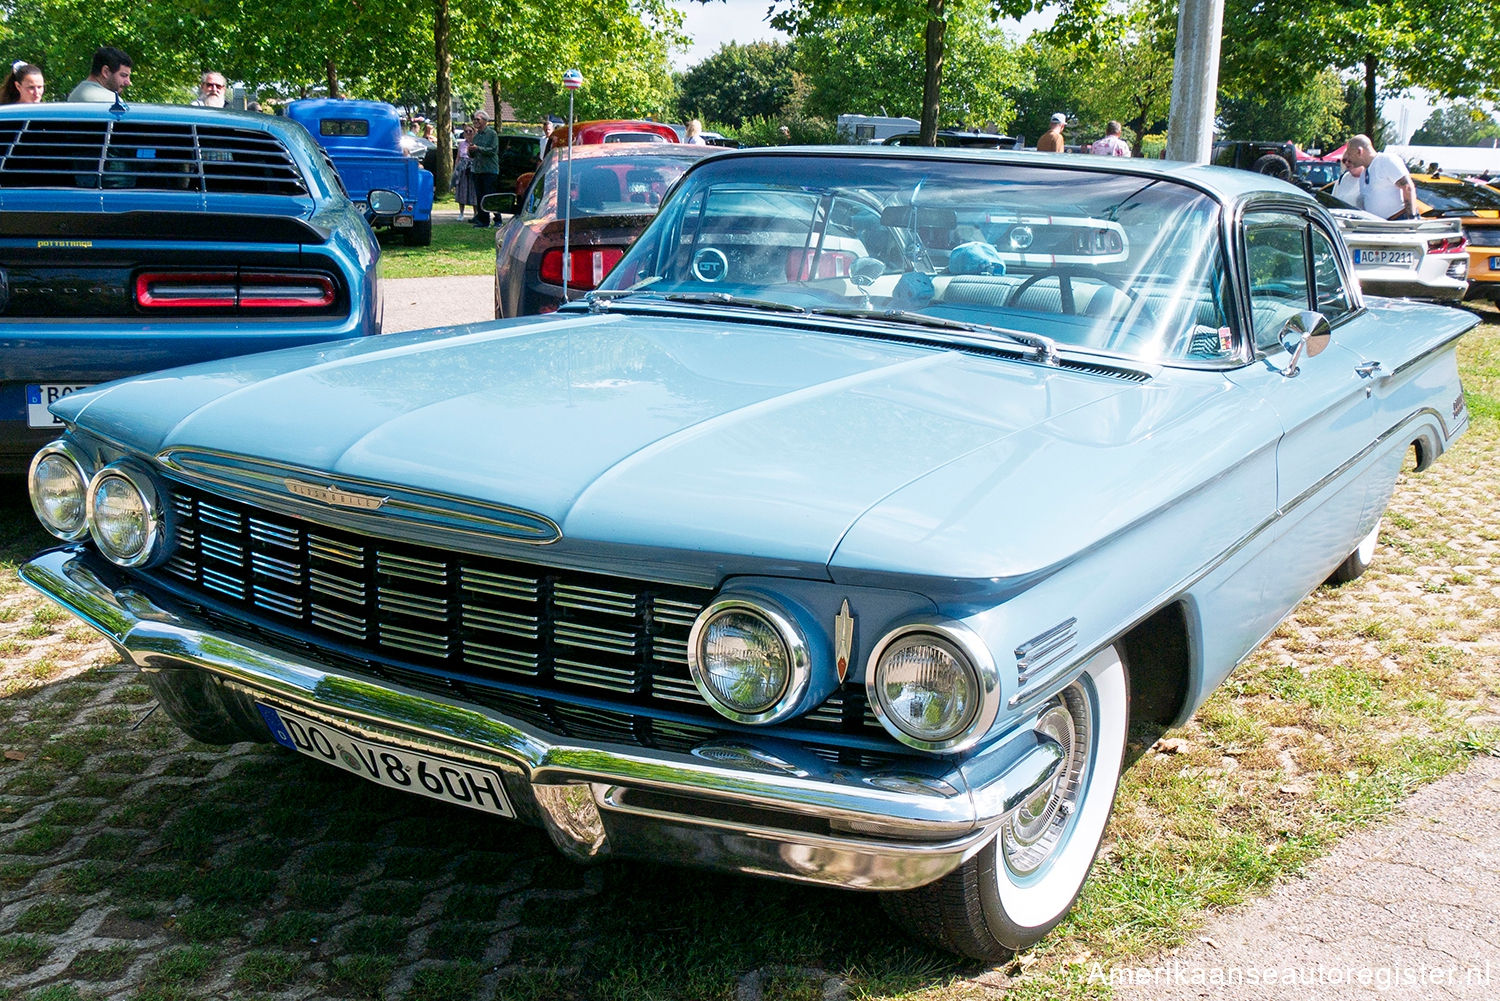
(445, 779)
(1405, 258)
(40, 397)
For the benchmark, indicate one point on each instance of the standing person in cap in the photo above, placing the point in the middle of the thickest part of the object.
(484, 165)
(1051, 141)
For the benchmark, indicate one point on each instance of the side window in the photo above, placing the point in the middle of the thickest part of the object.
(1277, 256)
(1333, 294)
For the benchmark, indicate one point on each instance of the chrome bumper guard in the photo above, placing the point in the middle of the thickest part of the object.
(745, 804)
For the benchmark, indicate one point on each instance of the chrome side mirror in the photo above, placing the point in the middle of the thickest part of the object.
(384, 202)
(1304, 335)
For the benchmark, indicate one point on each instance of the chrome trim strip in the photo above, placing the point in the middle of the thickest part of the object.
(267, 479)
(892, 827)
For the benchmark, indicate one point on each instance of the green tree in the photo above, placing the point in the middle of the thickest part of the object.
(1447, 47)
(1457, 125)
(865, 64)
(738, 82)
(1119, 69)
(1310, 113)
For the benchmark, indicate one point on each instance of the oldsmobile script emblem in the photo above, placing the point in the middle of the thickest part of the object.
(333, 495)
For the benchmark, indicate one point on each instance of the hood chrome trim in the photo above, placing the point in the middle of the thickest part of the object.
(318, 492)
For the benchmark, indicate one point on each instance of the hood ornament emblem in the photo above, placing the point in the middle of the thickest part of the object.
(843, 640)
(333, 495)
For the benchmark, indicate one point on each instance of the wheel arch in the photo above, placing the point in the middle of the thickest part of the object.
(1158, 653)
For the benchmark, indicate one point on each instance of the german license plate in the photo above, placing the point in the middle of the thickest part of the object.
(1495, 263)
(39, 398)
(1404, 258)
(451, 781)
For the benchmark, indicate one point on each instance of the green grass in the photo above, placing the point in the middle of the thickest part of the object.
(457, 249)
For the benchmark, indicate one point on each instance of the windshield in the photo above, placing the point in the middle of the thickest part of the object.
(604, 186)
(1457, 196)
(1093, 260)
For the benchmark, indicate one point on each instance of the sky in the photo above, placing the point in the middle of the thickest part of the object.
(714, 23)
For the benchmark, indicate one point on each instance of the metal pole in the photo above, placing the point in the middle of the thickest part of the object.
(1195, 81)
(572, 80)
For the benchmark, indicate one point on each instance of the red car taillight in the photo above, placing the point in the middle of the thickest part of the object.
(187, 290)
(589, 266)
(1448, 245)
(228, 289)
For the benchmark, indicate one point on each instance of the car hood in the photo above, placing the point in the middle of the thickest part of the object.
(764, 441)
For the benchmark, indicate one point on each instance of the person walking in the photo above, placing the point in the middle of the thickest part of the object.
(109, 75)
(1111, 144)
(484, 165)
(1051, 141)
(695, 134)
(1385, 187)
(24, 85)
(212, 90)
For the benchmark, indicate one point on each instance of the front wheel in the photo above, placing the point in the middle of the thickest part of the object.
(1026, 879)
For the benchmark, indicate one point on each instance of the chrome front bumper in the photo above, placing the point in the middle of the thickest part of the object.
(747, 804)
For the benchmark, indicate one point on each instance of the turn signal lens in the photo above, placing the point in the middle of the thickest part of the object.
(59, 487)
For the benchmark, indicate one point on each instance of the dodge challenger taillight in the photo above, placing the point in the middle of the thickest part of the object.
(234, 289)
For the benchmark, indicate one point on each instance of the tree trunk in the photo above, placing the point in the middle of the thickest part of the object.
(1370, 98)
(932, 81)
(443, 179)
(333, 78)
(495, 100)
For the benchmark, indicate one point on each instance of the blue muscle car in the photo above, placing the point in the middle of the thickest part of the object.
(838, 536)
(151, 236)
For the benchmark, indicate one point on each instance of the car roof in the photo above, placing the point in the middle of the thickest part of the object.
(1223, 183)
(636, 151)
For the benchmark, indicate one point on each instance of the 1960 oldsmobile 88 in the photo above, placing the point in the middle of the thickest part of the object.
(838, 537)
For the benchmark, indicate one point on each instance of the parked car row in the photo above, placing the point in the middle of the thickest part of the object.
(839, 536)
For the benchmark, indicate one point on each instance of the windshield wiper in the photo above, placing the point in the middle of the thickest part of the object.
(1045, 347)
(600, 298)
(730, 299)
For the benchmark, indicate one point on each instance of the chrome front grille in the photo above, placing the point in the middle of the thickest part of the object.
(459, 619)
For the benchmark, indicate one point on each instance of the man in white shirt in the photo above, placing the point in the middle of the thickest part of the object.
(1111, 144)
(1385, 187)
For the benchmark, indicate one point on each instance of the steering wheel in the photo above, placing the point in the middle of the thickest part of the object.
(1065, 276)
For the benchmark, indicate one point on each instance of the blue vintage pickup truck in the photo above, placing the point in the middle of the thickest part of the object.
(363, 139)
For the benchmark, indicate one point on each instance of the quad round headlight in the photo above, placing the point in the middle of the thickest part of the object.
(749, 661)
(58, 486)
(929, 692)
(124, 516)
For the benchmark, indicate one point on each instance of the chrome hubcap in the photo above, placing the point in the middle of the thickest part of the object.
(1036, 829)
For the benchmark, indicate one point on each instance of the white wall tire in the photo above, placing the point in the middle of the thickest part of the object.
(1025, 881)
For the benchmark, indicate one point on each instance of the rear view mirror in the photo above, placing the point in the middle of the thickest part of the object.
(1304, 335)
(385, 202)
(500, 202)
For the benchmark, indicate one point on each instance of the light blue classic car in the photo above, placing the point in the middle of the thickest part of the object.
(838, 537)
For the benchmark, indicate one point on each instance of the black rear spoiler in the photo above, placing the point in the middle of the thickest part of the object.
(218, 227)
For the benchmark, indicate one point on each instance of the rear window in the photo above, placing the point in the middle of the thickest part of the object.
(1458, 197)
(343, 127)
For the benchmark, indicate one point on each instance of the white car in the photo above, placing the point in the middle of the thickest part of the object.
(1411, 258)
